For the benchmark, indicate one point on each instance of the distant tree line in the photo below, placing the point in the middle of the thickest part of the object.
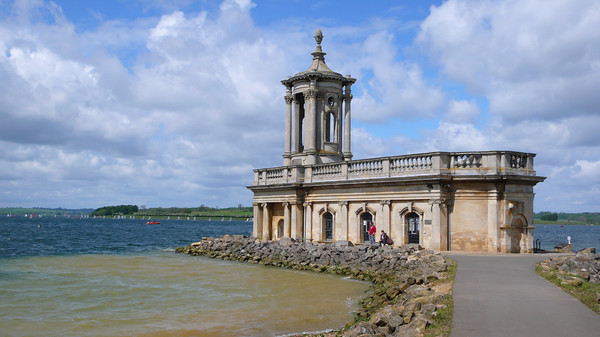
(115, 210)
(583, 218)
(202, 211)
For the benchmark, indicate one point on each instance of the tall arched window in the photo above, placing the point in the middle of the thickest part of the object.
(365, 220)
(328, 226)
(412, 220)
(330, 127)
(280, 229)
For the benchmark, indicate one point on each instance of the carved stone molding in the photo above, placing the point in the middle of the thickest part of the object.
(343, 203)
(307, 203)
(385, 202)
(288, 99)
(310, 93)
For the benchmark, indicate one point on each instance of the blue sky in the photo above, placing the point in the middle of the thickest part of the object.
(173, 103)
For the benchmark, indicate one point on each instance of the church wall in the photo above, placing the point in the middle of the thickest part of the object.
(469, 218)
(478, 221)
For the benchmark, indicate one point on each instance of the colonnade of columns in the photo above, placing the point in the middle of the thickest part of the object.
(300, 219)
(302, 123)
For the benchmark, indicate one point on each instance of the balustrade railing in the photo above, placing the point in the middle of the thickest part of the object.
(434, 163)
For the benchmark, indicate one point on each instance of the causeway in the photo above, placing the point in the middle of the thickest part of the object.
(501, 295)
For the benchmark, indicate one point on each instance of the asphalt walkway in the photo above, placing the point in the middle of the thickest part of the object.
(501, 295)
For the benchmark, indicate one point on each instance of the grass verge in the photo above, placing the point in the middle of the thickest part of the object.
(587, 293)
(442, 322)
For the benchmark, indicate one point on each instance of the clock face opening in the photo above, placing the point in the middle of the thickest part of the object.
(330, 101)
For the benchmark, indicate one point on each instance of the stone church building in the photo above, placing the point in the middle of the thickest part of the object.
(466, 201)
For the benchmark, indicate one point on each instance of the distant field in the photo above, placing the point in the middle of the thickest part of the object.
(43, 211)
(559, 222)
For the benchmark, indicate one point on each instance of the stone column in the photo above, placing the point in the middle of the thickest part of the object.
(493, 223)
(308, 220)
(296, 230)
(439, 226)
(256, 222)
(297, 125)
(288, 127)
(343, 221)
(384, 222)
(435, 226)
(286, 219)
(347, 123)
(266, 223)
(311, 124)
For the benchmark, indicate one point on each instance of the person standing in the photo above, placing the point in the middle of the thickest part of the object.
(372, 231)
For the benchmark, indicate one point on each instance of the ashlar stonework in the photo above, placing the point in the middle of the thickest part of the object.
(467, 201)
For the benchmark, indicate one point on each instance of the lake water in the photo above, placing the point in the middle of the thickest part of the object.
(107, 277)
(582, 236)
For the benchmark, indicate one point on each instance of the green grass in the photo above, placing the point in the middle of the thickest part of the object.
(442, 322)
(585, 293)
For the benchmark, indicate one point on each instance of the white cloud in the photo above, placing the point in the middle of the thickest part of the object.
(187, 103)
(532, 59)
(461, 111)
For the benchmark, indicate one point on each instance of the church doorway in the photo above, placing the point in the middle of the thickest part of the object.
(412, 220)
(328, 226)
(280, 229)
(516, 235)
(365, 220)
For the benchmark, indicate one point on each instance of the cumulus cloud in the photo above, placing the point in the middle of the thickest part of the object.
(188, 102)
(532, 59)
(462, 111)
(190, 116)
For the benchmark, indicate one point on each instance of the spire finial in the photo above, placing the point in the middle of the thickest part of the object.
(319, 38)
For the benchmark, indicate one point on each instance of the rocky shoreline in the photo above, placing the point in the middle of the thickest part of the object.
(574, 269)
(403, 299)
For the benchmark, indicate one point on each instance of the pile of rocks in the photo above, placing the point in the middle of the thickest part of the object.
(574, 269)
(402, 300)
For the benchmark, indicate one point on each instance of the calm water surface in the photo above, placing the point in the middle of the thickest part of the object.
(582, 236)
(105, 277)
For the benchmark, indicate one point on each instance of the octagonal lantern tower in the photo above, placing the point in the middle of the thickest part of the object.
(317, 119)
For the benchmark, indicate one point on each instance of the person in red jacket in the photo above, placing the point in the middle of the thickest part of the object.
(372, 231)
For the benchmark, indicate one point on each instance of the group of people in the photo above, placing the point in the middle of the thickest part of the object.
(384, 239)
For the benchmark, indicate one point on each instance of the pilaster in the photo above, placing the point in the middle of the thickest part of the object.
(347, 123)
(343, 220)
(288, 127)
(385, 219)
(308, 220)
(286, 219)
(266, 222)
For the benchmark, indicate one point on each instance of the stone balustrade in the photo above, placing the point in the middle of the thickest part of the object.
(479, 163)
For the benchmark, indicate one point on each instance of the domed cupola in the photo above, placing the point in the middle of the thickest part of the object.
(317, 121)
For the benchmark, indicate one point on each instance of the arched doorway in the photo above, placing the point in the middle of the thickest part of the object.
(280, 229)
(365, 220)
(413, 228)
(328, 226)
(515, 236)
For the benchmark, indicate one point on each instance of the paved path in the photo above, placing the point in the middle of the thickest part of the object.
(501, 295)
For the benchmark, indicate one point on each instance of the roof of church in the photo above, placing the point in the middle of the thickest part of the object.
(318, 66)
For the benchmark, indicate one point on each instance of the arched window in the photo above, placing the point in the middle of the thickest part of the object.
(280, 233)
(365, 220)
(412, 220)
(328, 225)
(330, 127)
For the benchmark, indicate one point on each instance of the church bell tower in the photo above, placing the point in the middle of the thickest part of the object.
(317, 116)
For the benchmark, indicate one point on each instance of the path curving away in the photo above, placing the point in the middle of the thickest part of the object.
(501, 295)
